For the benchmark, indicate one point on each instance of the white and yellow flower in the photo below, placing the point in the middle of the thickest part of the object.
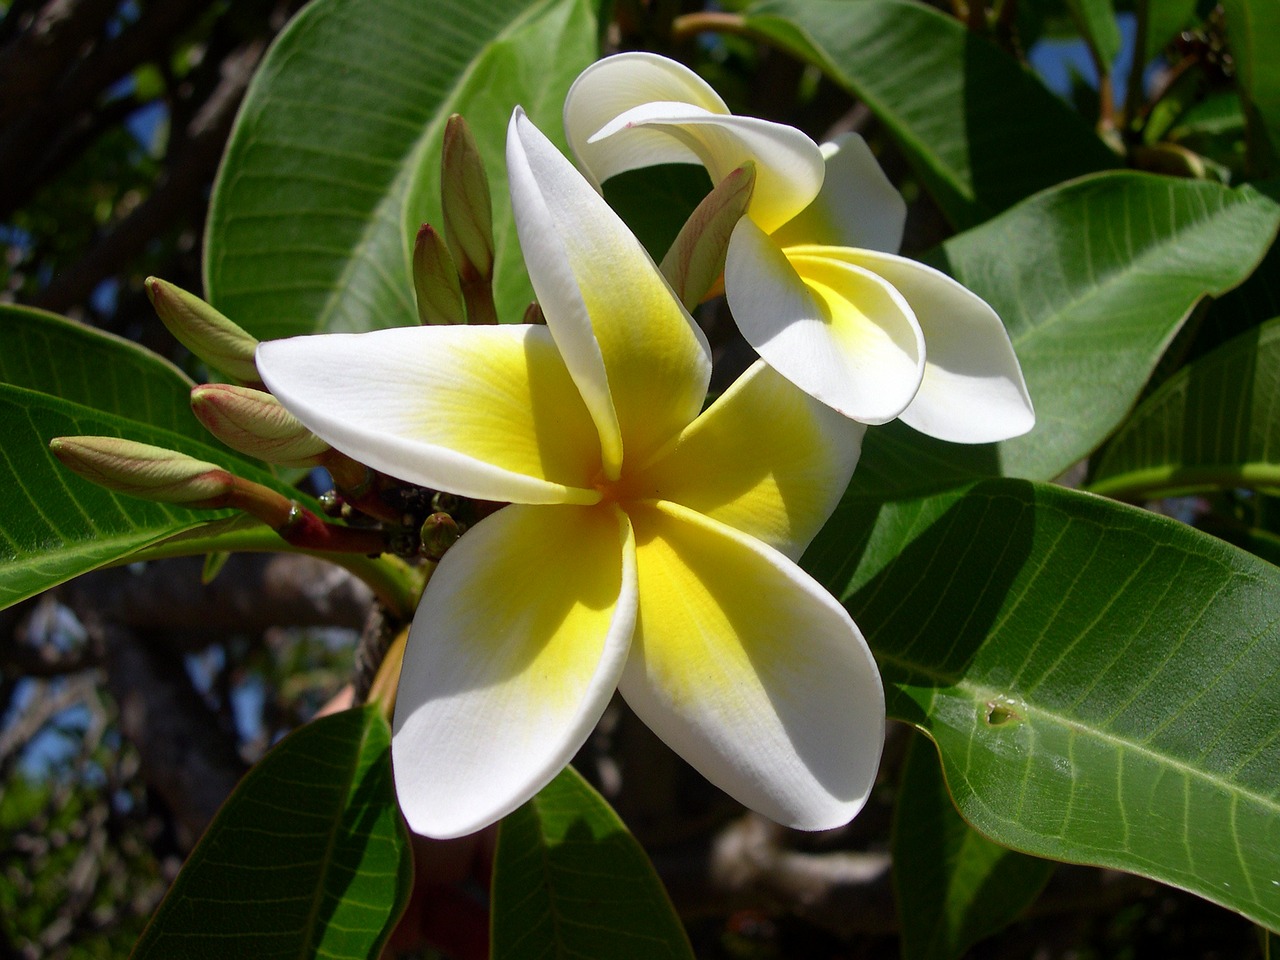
(812, 275)
(647, 547)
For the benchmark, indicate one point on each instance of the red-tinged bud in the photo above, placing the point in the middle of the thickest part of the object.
(141, 470)
(204, 331)
(256, 423)
(435, 280)
(464, 195)
(533, 314)
(696, 259)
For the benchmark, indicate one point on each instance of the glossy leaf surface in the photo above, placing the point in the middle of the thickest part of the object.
(1092, 279)
(334, 160)
(571, 881)
(1214, 424)
(308, 857)
(953, 885)
(982, 132)
(1101, 682)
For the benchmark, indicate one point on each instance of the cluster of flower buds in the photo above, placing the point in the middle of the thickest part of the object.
(453, 280)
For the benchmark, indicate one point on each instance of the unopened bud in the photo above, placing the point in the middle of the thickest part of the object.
(141, 470)
(204, 331)
(464, 195)
(533, 314)
(439, 533)
(435, 280)
(253, 422)
(696, 259)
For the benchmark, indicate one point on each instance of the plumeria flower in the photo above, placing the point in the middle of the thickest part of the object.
(646, 546)
(812, 274)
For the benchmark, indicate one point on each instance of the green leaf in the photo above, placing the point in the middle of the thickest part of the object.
(1103, 684)
(1165, 19)
(55, 525)
(1210, 426)
(1253, 31)
(334, 160)
(307, 858)
(1097, 22)
(953, 886)
(980, 131)
(570, 881)
(1092, 280)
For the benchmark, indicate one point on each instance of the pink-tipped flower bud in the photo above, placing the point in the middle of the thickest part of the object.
(204, 331)
(141, 470)
(256, 423)
(435, 280)
(696, 259)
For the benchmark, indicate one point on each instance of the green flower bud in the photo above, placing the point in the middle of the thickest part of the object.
(464, 195)
(696, 259)
(439, 532)
(204, 331)
(141, 470)
(255, 423)
(435, 280)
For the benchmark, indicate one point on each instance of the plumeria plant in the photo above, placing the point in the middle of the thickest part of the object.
(628, 401)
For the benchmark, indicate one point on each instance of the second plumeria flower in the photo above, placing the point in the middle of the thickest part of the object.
(647, 546)
(812, 276)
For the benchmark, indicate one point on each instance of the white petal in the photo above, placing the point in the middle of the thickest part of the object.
(857, 207)
(486, 412)
(839, 333)
(616, 84)
(752, 672)
(789, 166)
(638, 358)
(513, 655)
(973, 390)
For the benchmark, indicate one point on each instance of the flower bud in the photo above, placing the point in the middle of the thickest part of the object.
(253, 422)
(141, 470)
(439, 533)
(464, 195)
(435, 280)
(696, 259)
(204, 331)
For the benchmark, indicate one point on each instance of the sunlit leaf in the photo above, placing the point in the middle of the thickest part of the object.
(981, 131)
(953, 885)
(307, 858)
(334, 160)
(1211, 425)
(570, 881)
(1093, 279)
(65, 379)
(1103, 684)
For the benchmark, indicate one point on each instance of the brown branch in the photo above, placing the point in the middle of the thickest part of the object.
(38, 56)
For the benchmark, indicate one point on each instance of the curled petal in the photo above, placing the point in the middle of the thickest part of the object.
(789, 166)
(752, 672)
(639, 360)
(613, 86)
(973, 390)
(839, 332)
(482, 412)
(857, 206)
(766, 458)
(514, 653)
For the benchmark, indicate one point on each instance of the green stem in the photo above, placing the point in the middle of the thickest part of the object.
(1177, 480)
(393, 582)
(1133, 94)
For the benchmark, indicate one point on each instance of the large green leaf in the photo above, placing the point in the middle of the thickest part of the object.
(307, 858)
(53, 524)
(334, 160)
(1097, 22)
(981, 132)
(953, 886)
(1253, 31)
(1103, 684)
(1211, 425)
(1092, 279)
(570, 881)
